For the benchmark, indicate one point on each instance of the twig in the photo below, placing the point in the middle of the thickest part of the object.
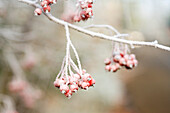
(99, 35)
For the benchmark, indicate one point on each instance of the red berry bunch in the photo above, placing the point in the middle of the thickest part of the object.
(120, 59)
(84, 10)
(45, 6)
(70, 84)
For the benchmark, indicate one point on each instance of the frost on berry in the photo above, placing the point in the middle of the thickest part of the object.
(70, 79)
(82, 10)
(121, 57)
(46, 6)
(71, 83)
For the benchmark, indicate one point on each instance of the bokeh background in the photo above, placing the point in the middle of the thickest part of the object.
(34, 47)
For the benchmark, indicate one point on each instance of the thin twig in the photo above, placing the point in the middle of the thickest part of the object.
(99, 35)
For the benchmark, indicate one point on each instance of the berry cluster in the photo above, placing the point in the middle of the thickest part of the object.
(120, 59)
(26, 92)
(70, 84)
(45, 6)
(84, 10)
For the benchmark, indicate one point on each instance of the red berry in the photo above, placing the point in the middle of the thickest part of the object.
(113, 68)
(122, 54)
(77, 19)
(74, 88)
(47, 9)
(117, 65)
(68, 94)
(126, 57)
(85, 85)
(129, 64)
(44, 3)
(116, 58)
(132, 57)
(135, 63)
(108, 68)
(92, 82)
(64, 88)
(38, 11)
(86, 77)
(89, 6)
(76, 76)
(73, 80)
(107, 61)
(122, 62)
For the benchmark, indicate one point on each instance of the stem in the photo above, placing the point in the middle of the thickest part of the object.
(99, 35)
(75, 52)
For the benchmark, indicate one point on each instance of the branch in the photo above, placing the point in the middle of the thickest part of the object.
(114, 38)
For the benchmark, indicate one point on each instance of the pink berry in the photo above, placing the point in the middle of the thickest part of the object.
(38, 11)
(47, 9)
(129, 64)
(86, 77)
(122, 62)
(80, 84)
(89, 6)
(116, 58)
(126, 57)
(44, 3)
(132, 57)
(92, 82)
(107, 61)
(108, 68)
(76, 76)
(56, 83)
(68, 94)
(77, 19)
(117, 65)
(85, 85)
(135, 62)
(122, 54)
(64, 88)
(74, 88)
(73, 80)
(113, 68)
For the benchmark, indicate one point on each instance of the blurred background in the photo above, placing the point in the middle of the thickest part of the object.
(32, 49)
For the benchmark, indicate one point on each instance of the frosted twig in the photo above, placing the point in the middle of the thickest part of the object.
(95, 34)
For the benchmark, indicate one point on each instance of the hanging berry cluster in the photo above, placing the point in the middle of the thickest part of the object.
(69, 81)
(120, 58)
(46, 6)
(84, 10)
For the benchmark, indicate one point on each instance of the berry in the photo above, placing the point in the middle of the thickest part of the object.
(74, 88)
(113, 68)
(132, 57)
(122, 62)
(107, 61)
(135, 63)
(64, 89)
(92, 82)
(47, 9)
(129, 64)
(85, 85)
(37, 12)
(107, 67)
(116, 58)
(68, 94)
